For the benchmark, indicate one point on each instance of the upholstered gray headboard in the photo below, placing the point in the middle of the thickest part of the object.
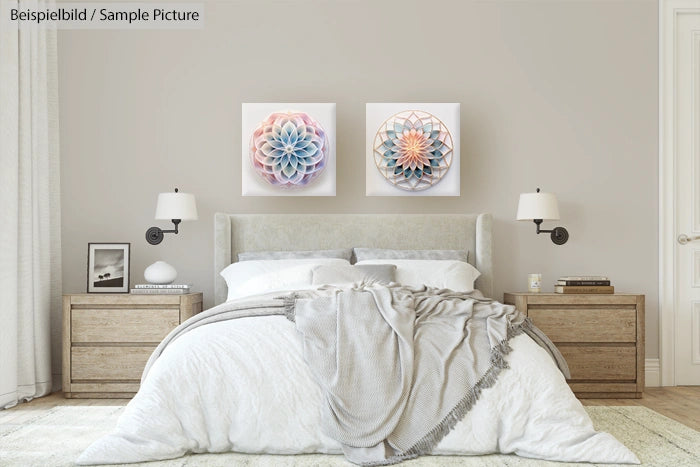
(234, 233)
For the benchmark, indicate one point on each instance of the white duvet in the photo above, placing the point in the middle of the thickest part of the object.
(242, 385)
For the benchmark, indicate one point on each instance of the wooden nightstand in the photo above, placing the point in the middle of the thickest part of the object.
(107, 339)
(600, 336)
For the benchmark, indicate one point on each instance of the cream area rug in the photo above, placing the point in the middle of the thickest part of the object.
(56, 436)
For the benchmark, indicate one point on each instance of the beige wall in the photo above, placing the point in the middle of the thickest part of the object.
(556, 94)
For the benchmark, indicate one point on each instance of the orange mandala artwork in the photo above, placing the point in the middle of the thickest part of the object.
(413, 150)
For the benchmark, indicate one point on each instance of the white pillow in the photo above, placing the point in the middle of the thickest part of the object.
(443, 274)
(255, 277)
(344, 275)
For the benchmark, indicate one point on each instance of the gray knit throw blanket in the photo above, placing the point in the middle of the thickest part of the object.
(400, 367)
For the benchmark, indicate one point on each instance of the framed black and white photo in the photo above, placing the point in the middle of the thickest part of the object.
(108, 268)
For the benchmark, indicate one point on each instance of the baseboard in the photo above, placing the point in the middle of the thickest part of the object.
(652, 373)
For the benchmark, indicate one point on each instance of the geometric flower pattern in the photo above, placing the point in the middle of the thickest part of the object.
(413, 150)
(289, 150)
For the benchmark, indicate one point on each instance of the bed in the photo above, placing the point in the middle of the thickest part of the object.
(255, 232)
(243, 377)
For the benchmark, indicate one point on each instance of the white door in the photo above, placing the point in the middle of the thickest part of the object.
(687, 197)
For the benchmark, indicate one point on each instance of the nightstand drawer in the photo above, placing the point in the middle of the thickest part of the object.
(582, 324)
(601, 336)
(600, 363)
(109, 363)
(108, 338)
(122, 325)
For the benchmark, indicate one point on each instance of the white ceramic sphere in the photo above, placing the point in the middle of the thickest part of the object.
(160, 272)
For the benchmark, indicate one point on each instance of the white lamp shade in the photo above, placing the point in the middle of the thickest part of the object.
(176, 206)
(538, 206)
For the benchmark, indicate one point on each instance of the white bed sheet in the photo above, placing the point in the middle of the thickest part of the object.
(242, 385)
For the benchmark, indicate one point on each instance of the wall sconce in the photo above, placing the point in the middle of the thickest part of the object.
(174, 206)
(537, 207)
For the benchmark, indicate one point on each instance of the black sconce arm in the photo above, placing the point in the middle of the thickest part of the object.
(559, 235)
(155, 235)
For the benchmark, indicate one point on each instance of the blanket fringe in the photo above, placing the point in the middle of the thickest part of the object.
(289, 302)
(498, 363)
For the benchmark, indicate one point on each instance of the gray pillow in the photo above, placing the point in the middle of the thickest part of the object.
(345, 254)
(335, 275)
(362, 254)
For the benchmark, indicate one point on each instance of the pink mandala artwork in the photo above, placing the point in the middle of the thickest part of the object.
(289, 149)
(413, 150)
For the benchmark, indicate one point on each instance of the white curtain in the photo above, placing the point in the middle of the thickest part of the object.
(30, 256)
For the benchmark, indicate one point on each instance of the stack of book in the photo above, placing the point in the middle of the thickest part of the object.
(160, 289)
(583, 284)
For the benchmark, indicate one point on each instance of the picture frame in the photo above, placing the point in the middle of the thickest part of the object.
(260, 179)
(431, 170)
(108, 267)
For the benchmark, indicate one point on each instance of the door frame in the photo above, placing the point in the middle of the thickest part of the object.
(669, 10)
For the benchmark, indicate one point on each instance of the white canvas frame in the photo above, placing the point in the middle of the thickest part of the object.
(252, 184)
(376, 114)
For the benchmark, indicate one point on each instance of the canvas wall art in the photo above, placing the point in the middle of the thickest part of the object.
(288, 149)
(412, 149)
